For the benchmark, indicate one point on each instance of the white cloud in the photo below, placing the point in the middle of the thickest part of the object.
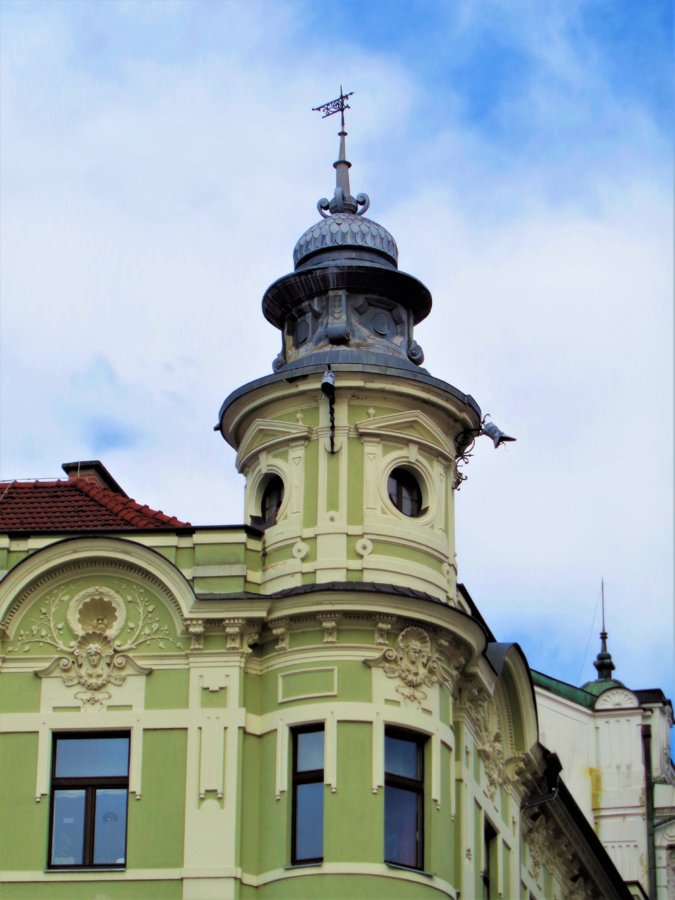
(149, 199)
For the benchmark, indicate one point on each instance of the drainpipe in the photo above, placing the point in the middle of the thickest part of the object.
(649, 794)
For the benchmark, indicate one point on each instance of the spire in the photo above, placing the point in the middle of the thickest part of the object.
(343, 201)
(603, 661)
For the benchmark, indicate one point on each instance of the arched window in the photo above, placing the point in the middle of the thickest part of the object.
(404, 492)
(271, 500)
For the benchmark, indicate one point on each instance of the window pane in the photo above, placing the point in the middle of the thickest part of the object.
(87, 757)
(401, 757)
(400, 826)
(68, 828)
(111, 826)
(309, 751)
(309, 821)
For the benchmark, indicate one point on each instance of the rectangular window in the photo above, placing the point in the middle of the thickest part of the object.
(404, 799)
(489, 861)
(307, 825)
(90, 786)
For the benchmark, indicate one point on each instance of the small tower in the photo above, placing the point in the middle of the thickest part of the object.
(603, 662)
(354, 483)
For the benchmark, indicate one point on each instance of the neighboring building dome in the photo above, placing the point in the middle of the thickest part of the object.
(344, 229)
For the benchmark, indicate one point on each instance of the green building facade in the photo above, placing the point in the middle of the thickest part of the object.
(305, 706)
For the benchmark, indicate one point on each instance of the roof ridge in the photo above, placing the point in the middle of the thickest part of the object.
(125, 507)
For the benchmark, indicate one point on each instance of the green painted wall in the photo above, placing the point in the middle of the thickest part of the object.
(167, 689)
(24, 824)
(250, 794)
(20, 692)
(157, 820)
(349, 837)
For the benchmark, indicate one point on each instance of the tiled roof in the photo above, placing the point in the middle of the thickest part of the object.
(78, 504)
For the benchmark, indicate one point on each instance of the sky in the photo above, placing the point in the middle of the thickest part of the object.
(158, 161)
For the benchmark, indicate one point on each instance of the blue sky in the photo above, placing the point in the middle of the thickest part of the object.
(159, 160)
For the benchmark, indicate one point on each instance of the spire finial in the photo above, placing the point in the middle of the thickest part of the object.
(603, 662)
(342, 199)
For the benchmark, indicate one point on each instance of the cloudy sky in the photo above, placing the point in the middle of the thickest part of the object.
(159, 160)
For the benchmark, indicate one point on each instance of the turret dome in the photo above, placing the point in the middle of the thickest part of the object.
(349, 237)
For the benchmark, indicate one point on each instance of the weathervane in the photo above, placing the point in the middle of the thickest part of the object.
(342, 201)
(335, 106)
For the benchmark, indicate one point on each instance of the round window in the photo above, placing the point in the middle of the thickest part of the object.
(405, 492)
(271, 499)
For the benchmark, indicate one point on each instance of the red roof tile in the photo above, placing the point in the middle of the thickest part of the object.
(74, 505)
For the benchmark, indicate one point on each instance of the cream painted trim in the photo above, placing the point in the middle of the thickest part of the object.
(80, 875)
(378, 752)
(391, 427)
(333, 693)
(147, 660)
(435, 741)
(152, 719)
(102, 549)
(330, 752)
(281, 433)
(215, 571)
(407, 718)
(281, 785)
(211, 754)
(83, 723)
(378, 869)
(221, 537)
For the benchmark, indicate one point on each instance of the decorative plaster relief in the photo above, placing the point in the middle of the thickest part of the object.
(417, 664)
(94, 657)
(195, 628)
(279, 628)
(617, 698)
(364, 547)
(541, 839)
(300, 550)
(382, 629)
(329, 624)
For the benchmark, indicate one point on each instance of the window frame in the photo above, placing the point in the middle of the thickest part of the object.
(310, 776)
(412, 785)
(489, 872)
(89, 784)
(272, 481)
(406, 481)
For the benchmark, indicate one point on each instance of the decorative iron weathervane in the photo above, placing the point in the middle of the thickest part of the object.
(343, 201)
(335, 106)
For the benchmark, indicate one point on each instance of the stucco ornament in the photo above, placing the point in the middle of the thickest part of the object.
(491, 751)
(85, 629)
(541, 838)
(417, 664)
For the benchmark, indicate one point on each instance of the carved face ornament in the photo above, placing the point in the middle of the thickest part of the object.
(93, 655)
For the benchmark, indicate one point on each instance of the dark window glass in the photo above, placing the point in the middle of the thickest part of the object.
(489, 852)
(309, 821)
(310, 751)
(110, 827)
(271, 500)
(67, 828)
(404, 492)
(307, 826)
(401, 757)
(403, 799)
(78, 757)
(90, 787)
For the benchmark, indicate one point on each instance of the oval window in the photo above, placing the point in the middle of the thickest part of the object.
(271, 500)
(405, 492)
